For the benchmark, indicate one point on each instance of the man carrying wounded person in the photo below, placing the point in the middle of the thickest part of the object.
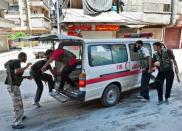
(66, 58)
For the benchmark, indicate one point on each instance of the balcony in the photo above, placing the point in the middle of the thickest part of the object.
(12, 15)
(39, 23)
(39, 4)
(4, 23)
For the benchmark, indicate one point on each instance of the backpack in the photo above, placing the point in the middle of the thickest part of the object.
(8, 79)
(11, 77)
(7, 64)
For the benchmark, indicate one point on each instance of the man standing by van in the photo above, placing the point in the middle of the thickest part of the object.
(68, 59)
(146, 66)
(164, 59)
(13, 82)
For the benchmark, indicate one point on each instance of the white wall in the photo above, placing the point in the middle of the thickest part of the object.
(178, 56)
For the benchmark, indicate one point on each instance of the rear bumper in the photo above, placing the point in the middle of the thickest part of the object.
(75, 95)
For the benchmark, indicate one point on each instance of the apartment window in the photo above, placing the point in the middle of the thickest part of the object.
(156, 7)
(166, 8)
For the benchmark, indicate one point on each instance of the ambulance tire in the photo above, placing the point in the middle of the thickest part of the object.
(110, 96)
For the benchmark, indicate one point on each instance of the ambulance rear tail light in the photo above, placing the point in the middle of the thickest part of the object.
(82, 80)
(138, 35)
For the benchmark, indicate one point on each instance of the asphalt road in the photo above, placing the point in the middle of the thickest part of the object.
(130, 114)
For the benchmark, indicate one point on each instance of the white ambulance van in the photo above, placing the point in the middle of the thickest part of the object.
(106, 68)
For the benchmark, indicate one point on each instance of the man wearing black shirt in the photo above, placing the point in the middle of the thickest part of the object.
(13, 82)
(39, 76)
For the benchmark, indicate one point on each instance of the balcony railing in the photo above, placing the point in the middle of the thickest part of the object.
(6, 23)
(39, 23)
(13, 12)
(39, 16)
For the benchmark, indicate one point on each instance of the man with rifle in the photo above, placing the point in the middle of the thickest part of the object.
(164, 59)
(13, 82)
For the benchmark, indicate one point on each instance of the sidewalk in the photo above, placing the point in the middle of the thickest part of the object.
(5, 56)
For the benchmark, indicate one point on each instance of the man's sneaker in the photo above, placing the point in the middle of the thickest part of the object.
(24, 118)
(140, 97)
(20, 126)
(53, 93)
(160, 102)
(36, 104)
(144, 100)
(166, 101)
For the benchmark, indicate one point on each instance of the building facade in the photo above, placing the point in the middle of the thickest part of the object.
(162, 18)
(30, 16)
(5, 26)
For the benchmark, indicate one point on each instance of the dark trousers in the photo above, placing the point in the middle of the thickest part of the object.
(65, 76)
(38, 80)
(161, 76)
(145, 85)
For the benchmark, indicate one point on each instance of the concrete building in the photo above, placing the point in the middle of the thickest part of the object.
(5, 26)
(30, 16)
(161, 17)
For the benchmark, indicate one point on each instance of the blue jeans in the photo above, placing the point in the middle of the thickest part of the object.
(144, 91)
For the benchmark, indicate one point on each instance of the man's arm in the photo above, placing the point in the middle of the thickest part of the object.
(171, 54)
(47, 64)
(21, 70)
(150, 64)
(147, 54)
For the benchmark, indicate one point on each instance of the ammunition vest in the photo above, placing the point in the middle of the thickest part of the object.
(166, 63)
(16, 79)
(66, 57)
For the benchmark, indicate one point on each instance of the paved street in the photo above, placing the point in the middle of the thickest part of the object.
(129, 115)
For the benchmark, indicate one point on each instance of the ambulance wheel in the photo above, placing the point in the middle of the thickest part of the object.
(110, 96)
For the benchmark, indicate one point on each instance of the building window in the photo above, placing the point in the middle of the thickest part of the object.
(156, 7)
(167, 8)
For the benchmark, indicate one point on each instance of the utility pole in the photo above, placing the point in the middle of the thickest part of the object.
(28, 16)
(58, 19)
(174, 5)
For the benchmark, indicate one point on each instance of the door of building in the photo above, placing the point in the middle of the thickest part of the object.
(172, 37)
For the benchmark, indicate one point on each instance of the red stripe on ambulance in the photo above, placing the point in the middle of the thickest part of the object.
(111, 76)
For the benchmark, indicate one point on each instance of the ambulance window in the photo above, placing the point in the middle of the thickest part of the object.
(119, 53)
(148, 46)
(100, 55)
(133, 55)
